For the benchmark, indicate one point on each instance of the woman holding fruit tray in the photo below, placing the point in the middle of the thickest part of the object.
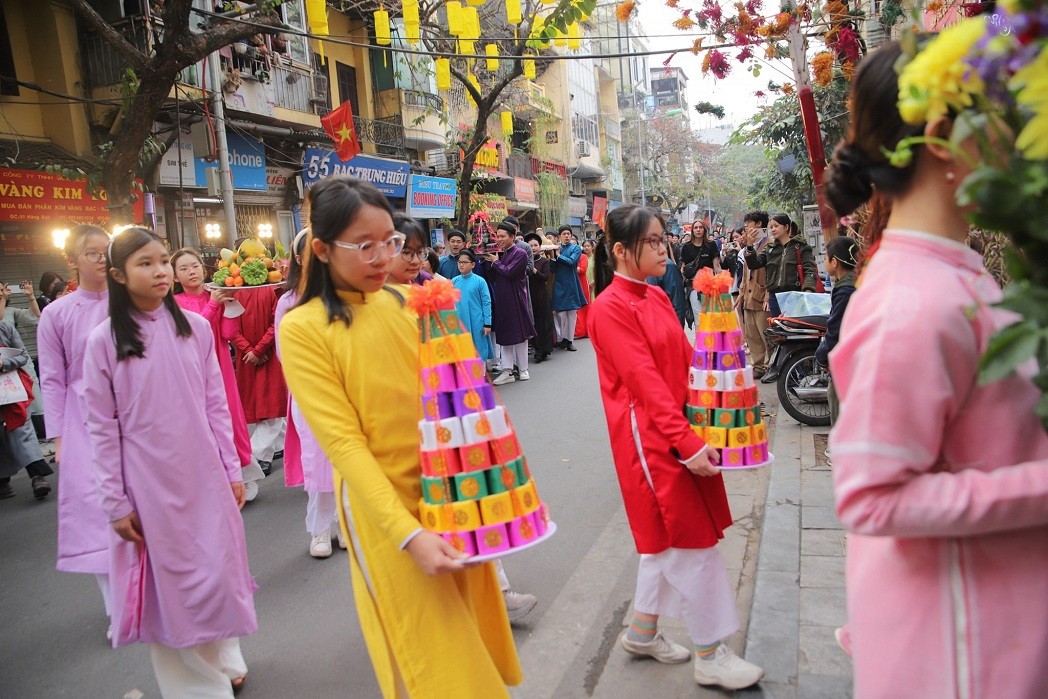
(189, 272)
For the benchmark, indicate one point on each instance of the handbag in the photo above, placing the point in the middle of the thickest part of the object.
(820, 288)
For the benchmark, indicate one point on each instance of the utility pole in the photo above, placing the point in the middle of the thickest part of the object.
(812, 133)
(225, 176)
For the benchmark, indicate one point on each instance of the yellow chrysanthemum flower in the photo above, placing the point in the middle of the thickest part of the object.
(1032, 83)
(937, 79)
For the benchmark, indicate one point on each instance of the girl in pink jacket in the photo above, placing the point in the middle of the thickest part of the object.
(941, 481)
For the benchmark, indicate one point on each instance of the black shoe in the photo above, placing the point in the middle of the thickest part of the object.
(570, 347)
(7, 490)
(539, 358)
(41, 488)
(278, 455)
(563, 344)
(770, 376)
(266, 466)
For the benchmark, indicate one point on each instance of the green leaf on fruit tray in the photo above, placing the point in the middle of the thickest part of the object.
(1009, 348)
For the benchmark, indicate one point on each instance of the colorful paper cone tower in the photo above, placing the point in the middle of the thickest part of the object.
(477, 490)
(723, 403)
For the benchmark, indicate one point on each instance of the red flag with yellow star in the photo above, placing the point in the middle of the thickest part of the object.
(339, 126)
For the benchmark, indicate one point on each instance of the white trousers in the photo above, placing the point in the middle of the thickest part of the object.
(266, 435)
(564, 324)
(198, 672)
(691, 584)
(320, 513)
(696, 304)
(103, 585)
(503, 580)
(513, 355)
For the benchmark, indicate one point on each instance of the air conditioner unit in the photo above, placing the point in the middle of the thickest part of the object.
(578, 188)
(584, 149)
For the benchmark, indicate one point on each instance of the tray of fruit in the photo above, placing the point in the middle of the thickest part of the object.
(251, 265)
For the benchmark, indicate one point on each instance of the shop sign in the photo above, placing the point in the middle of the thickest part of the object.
(576, 207)
(600, 210)
(524, 190)
(277, 179)
(247, 162)
(431, 197)
(496, 206)
(487, 157)
(35, 195)
(389, 176)
(171, 163)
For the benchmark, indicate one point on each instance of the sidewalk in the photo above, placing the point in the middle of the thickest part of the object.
(798, 597)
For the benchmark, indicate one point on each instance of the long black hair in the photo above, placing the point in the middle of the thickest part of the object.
(299, 245)
(125, 327)
(628, 224)
(185, 252)
(333, 204)
(410, 227)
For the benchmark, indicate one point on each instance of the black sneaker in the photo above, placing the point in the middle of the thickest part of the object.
(770, 376)
(266, 466)
(6, 490)
(278, 454)
(41, 488)
(570, 347)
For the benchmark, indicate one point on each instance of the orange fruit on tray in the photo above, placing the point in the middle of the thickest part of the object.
(274, 277)
(268, 262)
(228, 281)
(234, 270)
(238, 281)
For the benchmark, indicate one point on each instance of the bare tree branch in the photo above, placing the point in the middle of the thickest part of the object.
(201, 45)
(129, 53)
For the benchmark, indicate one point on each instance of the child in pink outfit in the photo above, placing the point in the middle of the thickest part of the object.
(941, 481)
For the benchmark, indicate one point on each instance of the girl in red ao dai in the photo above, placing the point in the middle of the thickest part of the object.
(671, 486)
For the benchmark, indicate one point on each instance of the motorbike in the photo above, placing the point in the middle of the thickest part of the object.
(802, 384)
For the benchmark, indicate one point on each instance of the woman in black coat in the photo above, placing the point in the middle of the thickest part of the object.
(540, 302)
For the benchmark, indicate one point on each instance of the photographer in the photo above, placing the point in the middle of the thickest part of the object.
(699, 253)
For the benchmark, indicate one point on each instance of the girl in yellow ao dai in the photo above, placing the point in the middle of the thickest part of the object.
(434, 627)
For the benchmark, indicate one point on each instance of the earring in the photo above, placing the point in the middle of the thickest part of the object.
(951, 176)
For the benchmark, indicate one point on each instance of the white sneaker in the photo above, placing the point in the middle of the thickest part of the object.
(504, 378)
(524, 376)
(250, 490)
(727, 670)
(660, 648)
(341, 538)
(518, 605)
(320, 545)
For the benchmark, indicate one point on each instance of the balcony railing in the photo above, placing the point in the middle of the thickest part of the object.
(423, 100)
(293, 87)
(103, 65)
(387, 134)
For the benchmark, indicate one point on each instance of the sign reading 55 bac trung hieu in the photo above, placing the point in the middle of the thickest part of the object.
(389, 176)
(431, 197)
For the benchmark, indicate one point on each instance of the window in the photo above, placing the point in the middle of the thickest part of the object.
(8, 86)
(295, 17)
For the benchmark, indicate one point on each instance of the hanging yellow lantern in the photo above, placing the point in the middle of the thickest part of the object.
(382, 32)
(471, 22)
(476, 85)
(529, 68)
(467, 47)
(548, 2)
(410, 9)
(561, 40)
(507, 124)
(492, 51)
(443, 71)
(412, 33)
(455, 23)
(574, 36)
(475, 3)
(513, 13)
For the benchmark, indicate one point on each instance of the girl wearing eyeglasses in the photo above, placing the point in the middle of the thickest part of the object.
(352, 347)
(672, 489)
(61, 337)
(407, 266)
(169, 478)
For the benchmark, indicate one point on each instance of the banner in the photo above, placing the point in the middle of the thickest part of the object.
(389, 176)
(35, 195)
(247, 164)
(431, 197)
(524, 190)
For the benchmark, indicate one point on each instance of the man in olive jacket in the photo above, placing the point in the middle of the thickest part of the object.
(784, 258)
(753, 294)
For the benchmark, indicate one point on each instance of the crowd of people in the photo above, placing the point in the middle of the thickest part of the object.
(947, 545)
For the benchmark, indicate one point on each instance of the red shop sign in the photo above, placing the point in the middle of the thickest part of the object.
(34, 196)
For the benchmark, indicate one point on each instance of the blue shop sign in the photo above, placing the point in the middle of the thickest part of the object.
(389, 176)
(431, 197)
(247, 162)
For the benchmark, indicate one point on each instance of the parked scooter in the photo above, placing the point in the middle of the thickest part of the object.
(802, 384)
